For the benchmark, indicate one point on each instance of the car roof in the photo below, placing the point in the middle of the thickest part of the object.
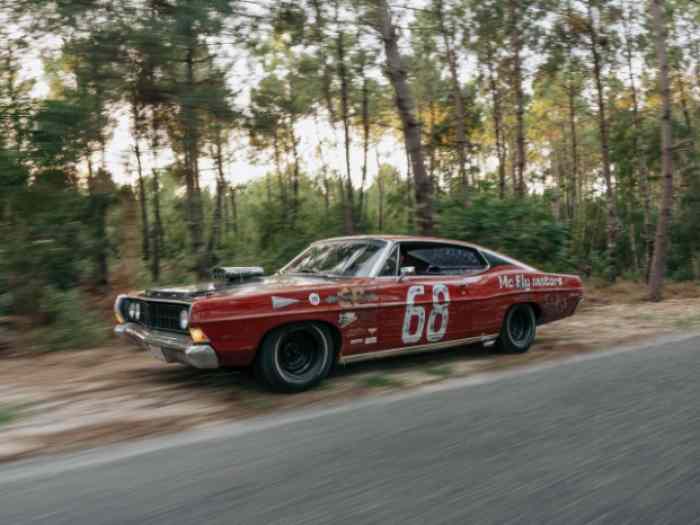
(419, 238)
(403, 238)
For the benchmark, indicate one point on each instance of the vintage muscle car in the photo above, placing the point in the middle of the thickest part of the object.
(348, 299)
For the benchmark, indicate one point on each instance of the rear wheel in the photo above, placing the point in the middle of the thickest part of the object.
(295, 357)
(518, 330)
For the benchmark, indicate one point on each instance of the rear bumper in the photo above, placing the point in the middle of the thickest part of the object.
(175, 348)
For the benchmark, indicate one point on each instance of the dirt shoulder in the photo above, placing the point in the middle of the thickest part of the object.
(67, 401)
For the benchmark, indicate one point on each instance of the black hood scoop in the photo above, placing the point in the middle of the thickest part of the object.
(224, 278)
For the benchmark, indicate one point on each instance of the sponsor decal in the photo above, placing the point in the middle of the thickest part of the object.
(557, 304)
(282, 302)
(356, 341)
(370, 340)
(314, 299)
(372, 331)
(523, 282)
(346, 319)
(352, 296)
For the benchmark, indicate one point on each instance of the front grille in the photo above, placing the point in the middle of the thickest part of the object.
(164, 316)
(157, 315)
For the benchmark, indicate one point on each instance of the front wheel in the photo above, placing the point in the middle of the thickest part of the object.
(518, 330)
(295, 357)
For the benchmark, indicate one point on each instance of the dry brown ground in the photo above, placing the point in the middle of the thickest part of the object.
(74, 400)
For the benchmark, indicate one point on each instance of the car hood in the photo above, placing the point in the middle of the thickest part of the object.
(258, 285)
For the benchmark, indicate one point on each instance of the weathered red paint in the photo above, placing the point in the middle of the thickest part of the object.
(237, 322)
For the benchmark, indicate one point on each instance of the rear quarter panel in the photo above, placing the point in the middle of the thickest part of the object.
(554, 296)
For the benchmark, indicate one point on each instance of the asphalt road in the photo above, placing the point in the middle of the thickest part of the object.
(613, 439)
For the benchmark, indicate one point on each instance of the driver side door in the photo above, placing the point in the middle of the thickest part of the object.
(428, 308)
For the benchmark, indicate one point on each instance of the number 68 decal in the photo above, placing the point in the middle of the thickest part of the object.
(437, 321)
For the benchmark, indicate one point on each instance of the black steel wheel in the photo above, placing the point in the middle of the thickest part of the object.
(296, 357)
(518, 330)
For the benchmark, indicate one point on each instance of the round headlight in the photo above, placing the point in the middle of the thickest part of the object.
(184, 319)
(132, 310)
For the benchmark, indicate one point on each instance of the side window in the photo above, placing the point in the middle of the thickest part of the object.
(494, 260)
(390, 268)
(443, 259)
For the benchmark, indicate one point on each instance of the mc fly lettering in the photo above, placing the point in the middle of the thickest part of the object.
(523, 282)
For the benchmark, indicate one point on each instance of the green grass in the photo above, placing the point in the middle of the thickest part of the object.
(687, 322)
(439, 371)
(648, 317)
(380, 381)
(6, 415)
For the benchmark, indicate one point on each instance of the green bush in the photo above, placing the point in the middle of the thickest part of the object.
(68, 324)
(521, 228)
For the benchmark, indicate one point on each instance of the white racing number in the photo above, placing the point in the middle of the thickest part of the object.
(437, 321)
(412, 311)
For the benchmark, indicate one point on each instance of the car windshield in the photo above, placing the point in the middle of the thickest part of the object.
(343, 258)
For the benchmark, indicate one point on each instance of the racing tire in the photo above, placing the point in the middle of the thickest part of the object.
(518, 330)
(295, 357)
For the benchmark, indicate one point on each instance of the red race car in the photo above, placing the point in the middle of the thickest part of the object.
(348, 299)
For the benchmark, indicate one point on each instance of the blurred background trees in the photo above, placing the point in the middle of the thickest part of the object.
(533, 127)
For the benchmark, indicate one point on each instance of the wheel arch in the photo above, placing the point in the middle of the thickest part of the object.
(333, 329)
(537, 309)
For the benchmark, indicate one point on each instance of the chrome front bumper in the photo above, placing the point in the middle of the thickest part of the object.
(174, 348)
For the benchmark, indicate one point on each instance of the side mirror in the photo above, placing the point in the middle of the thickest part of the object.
(406, 271)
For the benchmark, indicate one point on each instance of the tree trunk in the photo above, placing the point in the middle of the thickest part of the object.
(157, 240)
(611, 223)
(574, 175)
(658, 264)
(296, 173)
(432, 147)
(513, 155)
(215, 234)
(226, 220)
(280, 174)
(219, 157)
(325, 184)
(145, 230)
(684, 104)
(497, 122)
(516, 48)
(156, 232)
(365, 139)
(688, 120)
(191, 143)
(99, 202)
(556, 191)
(460, 114)
(634, 250)
(348, 204)
(644, 190)
(405, 104)
(380, 188)
(234, 209)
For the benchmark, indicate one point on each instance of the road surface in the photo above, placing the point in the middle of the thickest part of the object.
(610, 439)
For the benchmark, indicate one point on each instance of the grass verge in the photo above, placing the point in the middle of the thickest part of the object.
(7, 415)
(380, 381)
